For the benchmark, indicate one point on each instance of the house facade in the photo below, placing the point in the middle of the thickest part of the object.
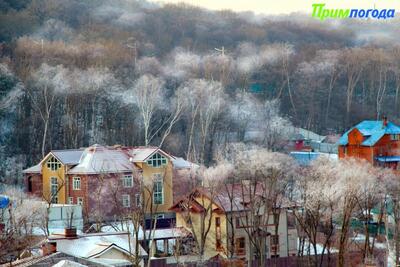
(234, 227)
(378, 142)
(106, 181)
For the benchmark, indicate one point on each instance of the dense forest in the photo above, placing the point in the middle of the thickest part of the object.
(75, 73)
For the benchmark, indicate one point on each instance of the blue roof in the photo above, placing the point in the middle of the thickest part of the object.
(373, 131)
(304, 158)
(388, 159)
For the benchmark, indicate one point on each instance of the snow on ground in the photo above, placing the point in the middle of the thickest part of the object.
(309, 250)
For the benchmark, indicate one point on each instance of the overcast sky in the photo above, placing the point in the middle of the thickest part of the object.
(286, 6)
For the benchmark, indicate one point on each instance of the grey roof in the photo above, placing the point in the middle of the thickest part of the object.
(100, 159)
(34, 169)
(69, 156)
(181, 163)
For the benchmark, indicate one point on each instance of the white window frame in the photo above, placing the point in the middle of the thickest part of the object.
(127, 181)
(158, 180)
(75, 182)
(157, 160)
(70, 200)
(79, 201)
(126, 201)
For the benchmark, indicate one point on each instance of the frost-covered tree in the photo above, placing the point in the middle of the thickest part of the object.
(22, 218)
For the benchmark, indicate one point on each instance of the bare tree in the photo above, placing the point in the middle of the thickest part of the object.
(20, 219)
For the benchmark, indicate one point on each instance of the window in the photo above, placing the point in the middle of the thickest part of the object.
(157, 160)
(274, 240)
(395, 137)
(54, 189)
(30, 184)
(159, 216)
(127, 181)
(126, 201)
(138, 199)
(240, 246)
(80, 201)
(218, 242)
(53, 164)
(158, 190)
(76, 185)
(70, 200)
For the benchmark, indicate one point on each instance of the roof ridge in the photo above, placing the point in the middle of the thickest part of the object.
(68, 149)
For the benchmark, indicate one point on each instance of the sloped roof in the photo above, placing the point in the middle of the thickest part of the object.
(34, 169)
(68, 263)
(90, 245)
(181, 163)
(104, 159)
(304, 158)
(68, 156)
(373, 131)
(163, 233)
(141, 154)
(100, 159)
(50, 260)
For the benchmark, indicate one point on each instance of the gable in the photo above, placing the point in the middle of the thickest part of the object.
(355, 137)
(113, 252)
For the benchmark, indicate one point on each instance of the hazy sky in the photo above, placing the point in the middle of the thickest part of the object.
(286, 6)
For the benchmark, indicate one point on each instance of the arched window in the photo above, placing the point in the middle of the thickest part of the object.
(157, 160)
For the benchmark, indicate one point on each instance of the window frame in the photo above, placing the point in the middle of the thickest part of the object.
(53, 164)
(124, 181)
(74, 179)
(138, 200)
(71, 200)
(158, 181)
(79, 201)
(157, 160)
(240, 250)
(124, 198)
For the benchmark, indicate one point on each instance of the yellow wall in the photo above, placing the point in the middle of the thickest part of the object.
(166, 172)
(197, 218)
(47, 174)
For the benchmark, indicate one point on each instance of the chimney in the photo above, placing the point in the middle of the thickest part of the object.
(70, 233)
(385, 121)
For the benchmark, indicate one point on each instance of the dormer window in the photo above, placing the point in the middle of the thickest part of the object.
(157, 160)
(53, 164)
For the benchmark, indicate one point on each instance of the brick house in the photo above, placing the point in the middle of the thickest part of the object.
(105, 180)
(375, 141)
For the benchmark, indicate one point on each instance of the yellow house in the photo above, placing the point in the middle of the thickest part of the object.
(206, 220)
(156, 168)
(48, 178)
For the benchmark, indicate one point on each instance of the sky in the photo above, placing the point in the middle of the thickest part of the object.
(277, 7)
